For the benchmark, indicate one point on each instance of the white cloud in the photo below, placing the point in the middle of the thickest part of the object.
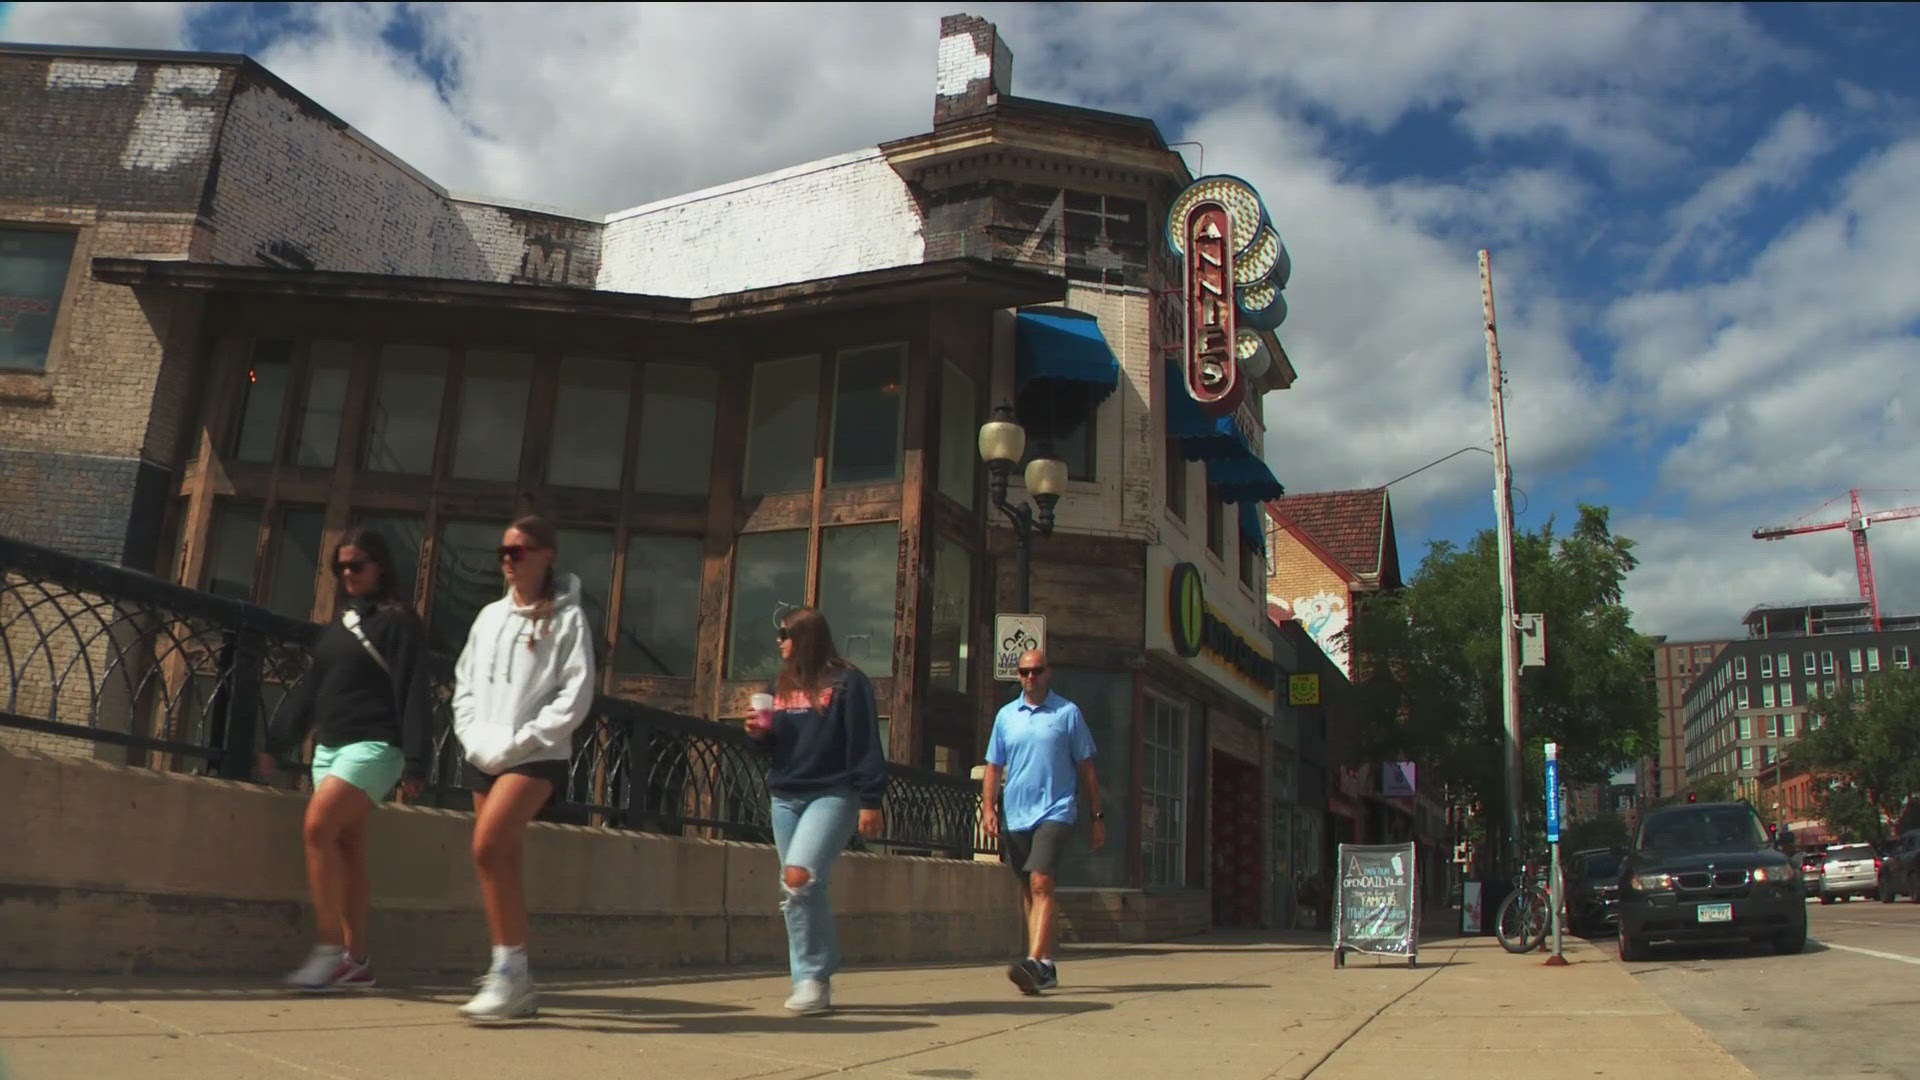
(1778, 161)
(133, 26)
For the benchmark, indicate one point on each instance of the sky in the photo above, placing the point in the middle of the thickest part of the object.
(1704, 220)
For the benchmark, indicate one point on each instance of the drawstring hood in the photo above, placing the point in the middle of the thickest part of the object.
(525, 679)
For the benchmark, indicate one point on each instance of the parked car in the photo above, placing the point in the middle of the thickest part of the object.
(1851, 870)
(1704, 872)
(1900, 868)
(1813, 865)
(1591, 879)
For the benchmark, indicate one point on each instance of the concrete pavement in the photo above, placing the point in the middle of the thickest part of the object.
(1229, 1006)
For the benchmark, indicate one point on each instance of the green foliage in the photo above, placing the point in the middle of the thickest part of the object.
(1604, 831)
(1428, 663)
(1869, 747)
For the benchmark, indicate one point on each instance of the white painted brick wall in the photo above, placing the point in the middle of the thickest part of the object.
(837, 216)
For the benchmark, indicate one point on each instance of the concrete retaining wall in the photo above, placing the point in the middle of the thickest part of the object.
(113, 869)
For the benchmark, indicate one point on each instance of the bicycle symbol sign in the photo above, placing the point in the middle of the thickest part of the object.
(1012, 636)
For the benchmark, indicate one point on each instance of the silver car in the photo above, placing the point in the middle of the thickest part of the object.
(1851, 870)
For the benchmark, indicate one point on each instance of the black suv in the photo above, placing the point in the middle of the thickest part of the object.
(1705, 872)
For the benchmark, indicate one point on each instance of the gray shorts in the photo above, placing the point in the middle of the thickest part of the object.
(1037, 851)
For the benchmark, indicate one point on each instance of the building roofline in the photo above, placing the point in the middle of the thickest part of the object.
(103, 52)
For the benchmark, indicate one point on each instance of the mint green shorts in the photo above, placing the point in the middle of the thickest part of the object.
(373, 767)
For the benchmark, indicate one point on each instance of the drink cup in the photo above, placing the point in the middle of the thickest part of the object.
(761, 722)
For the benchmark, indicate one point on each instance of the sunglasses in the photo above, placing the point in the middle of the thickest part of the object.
(349, 566)
(514, 552)
(1029, 672)
(782, 634)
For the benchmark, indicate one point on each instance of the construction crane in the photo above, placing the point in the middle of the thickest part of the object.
(1856, 523)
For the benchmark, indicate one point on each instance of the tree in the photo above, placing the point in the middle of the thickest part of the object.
(1866, 745)
(1427, 671)
(1601, 831)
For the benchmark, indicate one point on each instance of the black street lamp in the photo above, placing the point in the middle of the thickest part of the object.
(1003, 442)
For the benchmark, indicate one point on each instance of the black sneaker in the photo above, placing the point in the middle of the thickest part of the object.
(1049, 976)
(1027, 975)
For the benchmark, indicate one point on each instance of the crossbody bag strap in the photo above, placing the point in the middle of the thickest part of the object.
(351, 620)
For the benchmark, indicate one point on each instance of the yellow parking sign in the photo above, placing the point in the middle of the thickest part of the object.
(1303, 689)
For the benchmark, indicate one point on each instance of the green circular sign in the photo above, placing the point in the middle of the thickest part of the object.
(1186, 610)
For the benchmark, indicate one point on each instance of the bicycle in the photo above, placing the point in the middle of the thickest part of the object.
(1526, 915)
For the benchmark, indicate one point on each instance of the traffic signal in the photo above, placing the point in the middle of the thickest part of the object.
(1691, 797)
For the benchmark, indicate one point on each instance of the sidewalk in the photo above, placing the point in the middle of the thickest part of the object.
(1228, 1006)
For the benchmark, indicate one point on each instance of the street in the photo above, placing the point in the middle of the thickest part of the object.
(1840, 1009)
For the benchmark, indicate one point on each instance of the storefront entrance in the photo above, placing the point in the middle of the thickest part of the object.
(1236, 841)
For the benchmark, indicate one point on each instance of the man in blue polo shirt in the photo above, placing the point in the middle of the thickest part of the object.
(1043, 750)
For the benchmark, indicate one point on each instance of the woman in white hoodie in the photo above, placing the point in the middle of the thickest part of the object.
(524, 683)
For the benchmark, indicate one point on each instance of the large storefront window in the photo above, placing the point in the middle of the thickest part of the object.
(268, 371)
(296, 562)
(859, 581)
(769, 576)
(588, 555)
(406, 409)
(466, 578)
(660, 607)
(1105, 699)
(677, 410)
(493, 415)
(33, 274)
(780, 432)
(866, 415)
(1163, 793)
(952, 604)
(959, 432)
(232, 540)
(329, 366)
(590, 423)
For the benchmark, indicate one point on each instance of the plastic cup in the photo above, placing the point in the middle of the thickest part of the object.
(761, 721)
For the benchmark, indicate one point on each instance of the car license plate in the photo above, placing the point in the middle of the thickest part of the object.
(1715, 913)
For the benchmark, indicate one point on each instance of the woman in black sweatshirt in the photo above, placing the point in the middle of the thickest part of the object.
(367, 700)
(828, 777)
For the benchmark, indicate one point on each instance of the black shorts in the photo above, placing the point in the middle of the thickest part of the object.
(1036, 851)
(553, 772)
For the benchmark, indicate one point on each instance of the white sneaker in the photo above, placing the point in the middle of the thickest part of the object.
(810, 997)
(503, 995)
(318, 972)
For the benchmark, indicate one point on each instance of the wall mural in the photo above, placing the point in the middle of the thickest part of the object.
(1324, 615)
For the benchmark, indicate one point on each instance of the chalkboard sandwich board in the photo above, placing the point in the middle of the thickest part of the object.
(1375, 907)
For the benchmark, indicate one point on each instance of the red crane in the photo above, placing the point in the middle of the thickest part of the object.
(1856, 523)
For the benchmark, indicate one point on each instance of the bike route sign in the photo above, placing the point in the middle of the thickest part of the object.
(1375, 904)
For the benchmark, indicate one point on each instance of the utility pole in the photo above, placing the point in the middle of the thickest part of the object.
(1503, 514)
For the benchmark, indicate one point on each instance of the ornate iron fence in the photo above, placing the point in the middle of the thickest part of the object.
(106, 662)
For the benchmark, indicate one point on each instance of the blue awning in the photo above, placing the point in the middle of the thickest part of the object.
(1244, 480)
(1059, 345)
(1253, 527)
(1202, 437)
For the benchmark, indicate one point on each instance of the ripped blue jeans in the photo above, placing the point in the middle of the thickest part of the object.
(810, 832)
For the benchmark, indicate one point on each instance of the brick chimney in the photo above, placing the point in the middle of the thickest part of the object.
(975, 70)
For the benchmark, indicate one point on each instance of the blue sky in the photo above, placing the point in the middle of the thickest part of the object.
(1703, 219)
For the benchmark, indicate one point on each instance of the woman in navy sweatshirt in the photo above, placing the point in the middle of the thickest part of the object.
(828, 776)
(367, 700)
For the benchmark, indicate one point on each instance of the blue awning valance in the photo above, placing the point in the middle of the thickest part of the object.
(1202, 437)
(1253, 530)
(1244, 480)
(1060, 345)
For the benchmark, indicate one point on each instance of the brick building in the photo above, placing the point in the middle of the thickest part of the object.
(1675, 665)
(235, 327)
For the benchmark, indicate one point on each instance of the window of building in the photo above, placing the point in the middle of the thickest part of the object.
(952, 605)
(1813, 691)
(1856, 661)
(1216, 522)
(1746, 758)
(1702, 653)
(1784, 665)
(329, 368)
(1740, 700)
(1766, 757)
(677, 412)
(1766, 665)
(588, 555)
(1900, 657)
(1739, 667)
(859, 582)
(1809, 665)
(403, 534)
(296, 562)
(406, 410)
(1828, 687)
(864, 447)
(1786, 726)
(264, 398)
(1826, 663)
(34, 265)
(959, 435)
(1746, 727)
(494, 387)
(1163, 794)
(466, 578)
(1177, 467)
(1250, 562)
(781, 425)
(590, 409)
(769, 576)
(660, 607)
(1873, 658)
(233, 540)
(1766, 696)
(1773, 727)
